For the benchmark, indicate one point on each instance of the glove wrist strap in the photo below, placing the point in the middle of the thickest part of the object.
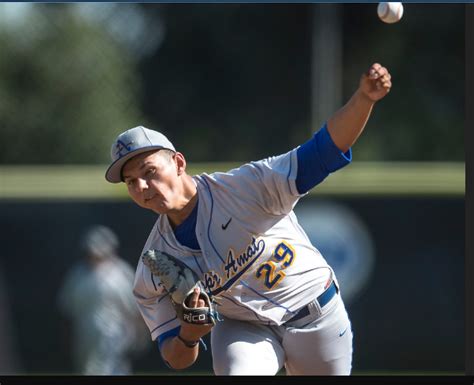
(188, 344)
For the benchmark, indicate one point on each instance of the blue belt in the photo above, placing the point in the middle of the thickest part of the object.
(322, 299)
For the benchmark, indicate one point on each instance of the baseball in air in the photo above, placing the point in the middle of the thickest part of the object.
(390, 12)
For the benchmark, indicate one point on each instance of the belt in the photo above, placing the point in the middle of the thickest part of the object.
(322, 299)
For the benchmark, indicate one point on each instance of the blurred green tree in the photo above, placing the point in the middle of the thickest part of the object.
(67, 88)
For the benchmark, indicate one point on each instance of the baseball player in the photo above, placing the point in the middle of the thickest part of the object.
(279, 300)
(96, 296)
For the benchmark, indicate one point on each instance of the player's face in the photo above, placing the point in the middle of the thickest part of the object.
(153, 181)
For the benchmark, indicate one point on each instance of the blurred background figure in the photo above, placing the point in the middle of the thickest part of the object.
(106, 329)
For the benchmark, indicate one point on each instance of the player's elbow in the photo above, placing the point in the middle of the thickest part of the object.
(175, 358)
(179, 363)
(182, 366)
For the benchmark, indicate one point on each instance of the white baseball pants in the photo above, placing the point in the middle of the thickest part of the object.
(322, 347)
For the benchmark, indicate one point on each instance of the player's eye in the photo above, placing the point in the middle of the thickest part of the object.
(150, 171)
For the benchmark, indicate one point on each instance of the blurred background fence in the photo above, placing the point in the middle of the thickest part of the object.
(229, 83)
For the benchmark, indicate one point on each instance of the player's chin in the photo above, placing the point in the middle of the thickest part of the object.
(148, 204)
(157, 206)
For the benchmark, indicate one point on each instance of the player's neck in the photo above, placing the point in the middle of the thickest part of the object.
(177, 216)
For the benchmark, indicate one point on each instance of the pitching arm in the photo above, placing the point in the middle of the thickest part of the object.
(346, 125)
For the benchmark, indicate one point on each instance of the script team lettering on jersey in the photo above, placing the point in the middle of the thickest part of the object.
(234, 266)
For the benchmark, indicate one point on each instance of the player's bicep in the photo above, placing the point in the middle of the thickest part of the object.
(317, 158)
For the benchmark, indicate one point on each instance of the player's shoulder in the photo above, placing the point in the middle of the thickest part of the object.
(157, 233)
(248, 176)
(243, 170)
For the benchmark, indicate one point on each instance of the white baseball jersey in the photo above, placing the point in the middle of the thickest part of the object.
(253, 253)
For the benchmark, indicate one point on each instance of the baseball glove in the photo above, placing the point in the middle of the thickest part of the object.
(179, 280)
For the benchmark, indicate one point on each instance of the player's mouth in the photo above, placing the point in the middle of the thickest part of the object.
(154, 200)
(148, 199)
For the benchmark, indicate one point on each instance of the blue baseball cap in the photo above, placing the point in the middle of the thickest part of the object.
(130, 143)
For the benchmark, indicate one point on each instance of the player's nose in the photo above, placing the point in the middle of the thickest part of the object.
(141, 185)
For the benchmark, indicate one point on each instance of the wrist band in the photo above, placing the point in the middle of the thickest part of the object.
(188, 344)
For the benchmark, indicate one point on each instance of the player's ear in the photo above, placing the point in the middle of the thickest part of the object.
(180, 162)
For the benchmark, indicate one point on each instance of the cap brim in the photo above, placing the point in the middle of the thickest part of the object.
(113, 173)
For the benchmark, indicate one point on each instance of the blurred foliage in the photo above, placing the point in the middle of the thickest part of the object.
(225, 82)
(66, 88)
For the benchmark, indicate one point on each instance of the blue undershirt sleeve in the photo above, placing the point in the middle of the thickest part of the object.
(317, 158)
(173, 333)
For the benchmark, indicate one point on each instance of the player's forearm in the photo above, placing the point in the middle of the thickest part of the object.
(346, 125)
(177, 355)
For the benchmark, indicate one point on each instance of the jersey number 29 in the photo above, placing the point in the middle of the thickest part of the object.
(271, 271)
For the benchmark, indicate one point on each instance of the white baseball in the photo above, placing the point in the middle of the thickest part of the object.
(390, 12)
